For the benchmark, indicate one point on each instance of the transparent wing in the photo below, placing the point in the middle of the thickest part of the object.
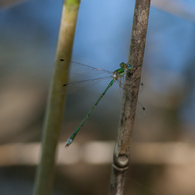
(121, 84)
(141, 88)
(78, 85)
(141, 108)
(78, 68)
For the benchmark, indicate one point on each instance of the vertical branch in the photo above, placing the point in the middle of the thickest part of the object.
(55, 104)
(121, 157)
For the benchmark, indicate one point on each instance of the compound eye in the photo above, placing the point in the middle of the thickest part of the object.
(122, 64)
(128, 66)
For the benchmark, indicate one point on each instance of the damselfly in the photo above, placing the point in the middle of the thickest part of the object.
(117, 75)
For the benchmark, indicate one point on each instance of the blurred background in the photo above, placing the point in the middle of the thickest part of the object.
(163, 150)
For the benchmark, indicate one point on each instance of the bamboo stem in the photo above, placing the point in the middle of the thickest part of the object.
(121, 158)
(55, 105)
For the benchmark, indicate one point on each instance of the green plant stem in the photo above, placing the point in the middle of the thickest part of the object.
(55, 105)
(121, 157)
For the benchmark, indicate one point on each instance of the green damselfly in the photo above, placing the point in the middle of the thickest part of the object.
(117, 75)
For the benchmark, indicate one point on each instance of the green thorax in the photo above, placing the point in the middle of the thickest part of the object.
(121, 71)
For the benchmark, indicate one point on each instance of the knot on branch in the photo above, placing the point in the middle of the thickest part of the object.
(119, 168)
(121, 162)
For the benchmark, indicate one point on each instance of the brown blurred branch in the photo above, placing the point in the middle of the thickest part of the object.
(136, 53)
(7, 3)
(176, 7)
(151, 153)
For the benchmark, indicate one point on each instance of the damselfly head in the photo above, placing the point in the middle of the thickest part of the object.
(125, 66)
(122, 64)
